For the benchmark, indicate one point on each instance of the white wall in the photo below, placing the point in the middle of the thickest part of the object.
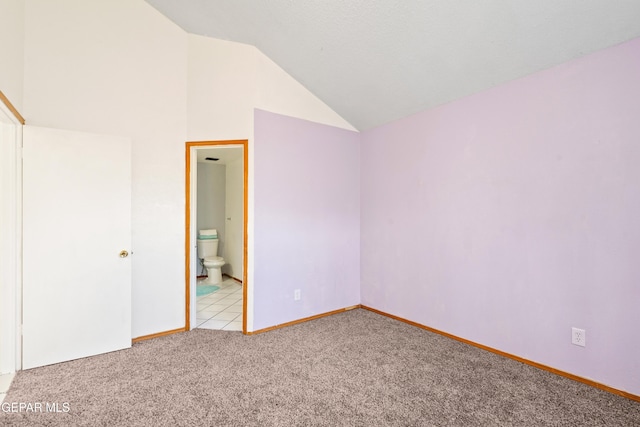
(11, 82)
(11, 49)
(221, 89)
(211, 200)
(10, 244)
(119, 67)
(278, 92)
(226, 81)
(234, 239)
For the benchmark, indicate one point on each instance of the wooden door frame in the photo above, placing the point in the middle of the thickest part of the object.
(244, 143)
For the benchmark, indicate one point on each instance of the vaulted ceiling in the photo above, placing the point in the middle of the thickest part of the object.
(374, 61)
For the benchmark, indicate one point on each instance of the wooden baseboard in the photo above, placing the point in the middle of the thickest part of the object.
(156, 335)
(224, 275)
(514, 357)
(306, 319)
(436, 331)
(234, 278)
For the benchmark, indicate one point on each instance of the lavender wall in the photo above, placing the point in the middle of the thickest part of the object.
(510, 216)
(307, 218)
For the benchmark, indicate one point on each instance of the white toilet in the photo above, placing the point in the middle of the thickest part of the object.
(207, 252)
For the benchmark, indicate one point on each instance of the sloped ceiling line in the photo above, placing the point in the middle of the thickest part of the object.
(376, 61)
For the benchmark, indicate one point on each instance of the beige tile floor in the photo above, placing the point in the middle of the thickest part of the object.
(221, 309)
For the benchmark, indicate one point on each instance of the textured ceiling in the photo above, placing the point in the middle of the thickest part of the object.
(374, 61)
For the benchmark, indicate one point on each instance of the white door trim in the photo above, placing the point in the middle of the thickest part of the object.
(11, 242)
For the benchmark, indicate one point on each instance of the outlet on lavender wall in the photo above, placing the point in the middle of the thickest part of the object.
(307, 219)
(509, 214)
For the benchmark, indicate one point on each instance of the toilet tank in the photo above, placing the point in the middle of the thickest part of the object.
(207, 248)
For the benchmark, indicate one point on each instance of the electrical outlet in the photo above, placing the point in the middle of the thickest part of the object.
(296, 295)
(578, 337)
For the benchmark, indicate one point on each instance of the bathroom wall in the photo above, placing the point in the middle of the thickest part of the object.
(511, 216)
(307, 218)
(234, 241)
(220, 206)
(12, 48)
(211, 199)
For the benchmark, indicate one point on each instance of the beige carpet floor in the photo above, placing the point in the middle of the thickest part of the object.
(351, 369)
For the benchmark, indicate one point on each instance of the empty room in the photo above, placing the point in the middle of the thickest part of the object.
(330, 213)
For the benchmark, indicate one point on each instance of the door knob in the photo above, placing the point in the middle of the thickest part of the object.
(124, 254)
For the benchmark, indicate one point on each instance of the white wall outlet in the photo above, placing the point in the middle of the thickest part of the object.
(296, 295)
(578, 337)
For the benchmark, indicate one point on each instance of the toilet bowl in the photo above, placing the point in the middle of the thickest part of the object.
(213, 264)
(207, 252)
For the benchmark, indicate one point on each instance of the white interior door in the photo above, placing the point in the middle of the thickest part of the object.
(76, 221)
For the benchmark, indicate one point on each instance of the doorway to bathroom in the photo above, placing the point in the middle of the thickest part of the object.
(216, 218)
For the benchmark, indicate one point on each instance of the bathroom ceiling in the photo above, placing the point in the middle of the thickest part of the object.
(374, 61)
(223, 154)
